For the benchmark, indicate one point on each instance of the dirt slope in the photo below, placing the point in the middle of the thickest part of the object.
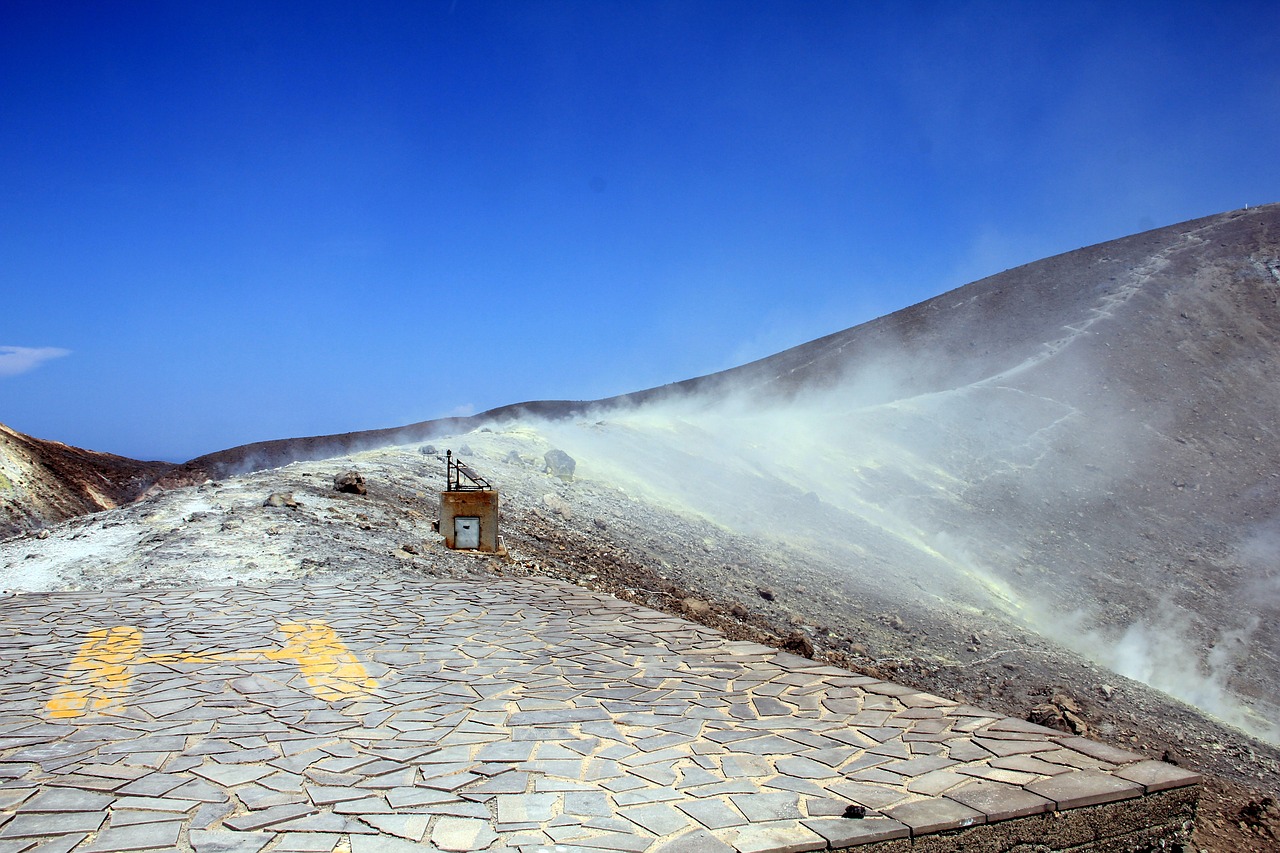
(43, 482)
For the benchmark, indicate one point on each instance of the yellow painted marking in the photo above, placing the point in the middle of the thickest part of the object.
(99, 675)
(332, 672)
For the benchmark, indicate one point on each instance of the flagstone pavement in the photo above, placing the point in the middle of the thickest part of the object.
(515, 714)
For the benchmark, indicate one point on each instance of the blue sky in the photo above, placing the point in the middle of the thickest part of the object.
(225, 222)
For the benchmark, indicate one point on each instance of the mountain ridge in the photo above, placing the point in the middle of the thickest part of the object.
(820, 360)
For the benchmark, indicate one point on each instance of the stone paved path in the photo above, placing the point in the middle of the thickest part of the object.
(525, 715)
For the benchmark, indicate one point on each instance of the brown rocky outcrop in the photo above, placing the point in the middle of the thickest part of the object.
(43, 482)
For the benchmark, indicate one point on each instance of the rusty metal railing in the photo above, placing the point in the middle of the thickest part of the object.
(456, 470)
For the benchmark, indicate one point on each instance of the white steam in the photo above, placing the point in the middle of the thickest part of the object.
(1161, 654)
(949, 499)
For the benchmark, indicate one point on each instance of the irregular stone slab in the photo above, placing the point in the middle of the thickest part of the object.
(146, 836)
(935, 815)
(713, 813)
(230, 775)
(1158, 776)
(267, 817)
(381, 844)
(411, 827)
(525, 808)
(67, 800)
(1000, 802)
(698, 841)
(760, 808)
(1085, 788)
(462, 834)
(35, 825)
(793, 838)
(207, 841)
(841, 832)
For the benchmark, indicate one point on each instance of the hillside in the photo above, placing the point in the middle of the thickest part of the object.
(1085, 443)
(43, 482)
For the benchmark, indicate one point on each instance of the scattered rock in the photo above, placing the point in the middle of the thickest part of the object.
(465, 450)
(427, 450)
(695, 606)
(409, 548)
(738, 610)
(766, 593)
(557, 504)
(351, 482)
(513, 458)
(1260, 816)
(1107, 691)
(281, 499)
(798, 643)
(1062, 713)
(599, 523)
(559, 464)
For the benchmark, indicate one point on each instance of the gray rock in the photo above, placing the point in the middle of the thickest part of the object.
(559, 464)
(798, 642)
(557, 504)
(427, 450)
(281, 499)
(351, 482)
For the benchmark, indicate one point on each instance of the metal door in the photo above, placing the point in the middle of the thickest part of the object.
(466, 532)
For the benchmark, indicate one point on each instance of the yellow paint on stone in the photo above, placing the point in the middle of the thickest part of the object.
(332, 671)
(99, 675)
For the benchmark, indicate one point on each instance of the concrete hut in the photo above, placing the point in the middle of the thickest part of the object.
(468, 509)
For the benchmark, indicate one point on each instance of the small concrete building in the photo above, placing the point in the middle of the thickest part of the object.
(468, 510)
(469, 520)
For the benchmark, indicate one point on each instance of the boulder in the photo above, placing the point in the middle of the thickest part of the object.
(1062, 712)
(351, 482)
(281, 499)
(558, 505)
(798, 643)
(559, 464)
(695, 606)
(427, 450)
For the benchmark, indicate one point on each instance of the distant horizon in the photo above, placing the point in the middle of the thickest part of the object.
(244, 221)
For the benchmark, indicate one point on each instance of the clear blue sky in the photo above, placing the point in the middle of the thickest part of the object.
(223, 222)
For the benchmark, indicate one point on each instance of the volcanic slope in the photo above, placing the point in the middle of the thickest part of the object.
(43, 482)
(1085, 445)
